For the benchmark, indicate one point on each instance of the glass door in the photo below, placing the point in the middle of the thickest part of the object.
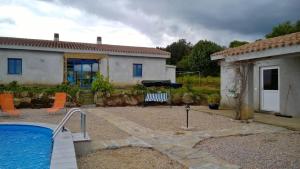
(82, 72)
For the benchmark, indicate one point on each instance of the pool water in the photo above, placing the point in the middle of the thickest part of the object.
(25, 147)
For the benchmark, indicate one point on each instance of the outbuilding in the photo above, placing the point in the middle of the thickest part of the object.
(271, 75)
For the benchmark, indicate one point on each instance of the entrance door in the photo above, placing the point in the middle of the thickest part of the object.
(269, 99)
(82, 72)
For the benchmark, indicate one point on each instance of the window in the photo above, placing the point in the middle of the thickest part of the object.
(137, 70)
(270, 79)
(14, 66)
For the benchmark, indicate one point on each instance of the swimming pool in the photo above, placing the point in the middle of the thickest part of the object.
(25, 146)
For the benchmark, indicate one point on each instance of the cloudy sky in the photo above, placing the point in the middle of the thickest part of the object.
(145, 22)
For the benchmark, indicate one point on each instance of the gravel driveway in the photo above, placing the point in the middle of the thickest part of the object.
(261, 151)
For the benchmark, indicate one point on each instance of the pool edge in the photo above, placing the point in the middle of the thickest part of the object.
(63, 151)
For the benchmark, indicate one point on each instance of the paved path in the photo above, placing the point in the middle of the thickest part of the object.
(289, 123)
(180, 147)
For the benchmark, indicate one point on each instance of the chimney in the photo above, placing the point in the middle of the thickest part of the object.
(99, 40)
(56, 37)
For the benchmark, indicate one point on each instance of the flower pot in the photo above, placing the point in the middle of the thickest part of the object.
(213, 106)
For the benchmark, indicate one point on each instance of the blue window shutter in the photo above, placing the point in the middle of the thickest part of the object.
(14, 66)
(18, 66)
(137, 70)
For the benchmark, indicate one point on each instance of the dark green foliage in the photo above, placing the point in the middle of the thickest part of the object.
(101, 84)
(237, 43)
(178, 50)
(200, 58)
(284, 28)
(184, 63)
(16, 88)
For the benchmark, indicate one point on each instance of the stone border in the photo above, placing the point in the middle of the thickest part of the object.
(63, 152)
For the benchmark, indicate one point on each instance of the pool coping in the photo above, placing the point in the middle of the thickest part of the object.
(63, 151)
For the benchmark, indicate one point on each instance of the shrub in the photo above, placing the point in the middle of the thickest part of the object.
(16, 89)
(101, 84)
(138, 89)
(213, 99)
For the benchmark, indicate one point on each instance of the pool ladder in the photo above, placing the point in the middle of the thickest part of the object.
(61, 125)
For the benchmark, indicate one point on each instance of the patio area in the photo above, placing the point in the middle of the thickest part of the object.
(153, 137)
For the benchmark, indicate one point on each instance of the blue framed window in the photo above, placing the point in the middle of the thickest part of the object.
(137, 70)
(14, 66)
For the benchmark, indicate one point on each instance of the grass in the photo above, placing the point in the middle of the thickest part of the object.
(200, 82)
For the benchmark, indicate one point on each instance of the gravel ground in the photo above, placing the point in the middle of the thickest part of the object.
(97, 128)
(260, 151)
(165, 118)
(127, 158)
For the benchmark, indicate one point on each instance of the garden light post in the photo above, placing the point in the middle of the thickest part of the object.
(187, 108)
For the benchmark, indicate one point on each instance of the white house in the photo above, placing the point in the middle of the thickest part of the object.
(46, 62)
(273, 82)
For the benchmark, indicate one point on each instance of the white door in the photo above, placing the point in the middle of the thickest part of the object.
(269, 99)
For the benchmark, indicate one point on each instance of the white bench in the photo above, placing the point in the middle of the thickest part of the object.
(156, 97)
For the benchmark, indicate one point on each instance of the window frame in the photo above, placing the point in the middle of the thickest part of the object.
(135, 72)
(14, 72)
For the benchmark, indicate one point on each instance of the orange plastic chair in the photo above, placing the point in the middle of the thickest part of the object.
(7, 105)
(59, 103)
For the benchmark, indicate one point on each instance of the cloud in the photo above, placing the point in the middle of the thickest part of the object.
(217, 20)
(159, 22)
(41, 19)
(7, 21)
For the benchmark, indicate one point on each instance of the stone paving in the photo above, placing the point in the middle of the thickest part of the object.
(180, 146)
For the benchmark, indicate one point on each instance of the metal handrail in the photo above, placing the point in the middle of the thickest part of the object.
(61, 125)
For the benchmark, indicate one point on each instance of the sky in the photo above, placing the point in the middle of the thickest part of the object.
(148, 23)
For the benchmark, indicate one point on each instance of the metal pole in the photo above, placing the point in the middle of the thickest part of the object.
(187, 118)
(187, 107)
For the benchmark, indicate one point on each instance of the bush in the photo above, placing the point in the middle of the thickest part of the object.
(100, 84)
(214, 99)
(138, 89)
(15, 88)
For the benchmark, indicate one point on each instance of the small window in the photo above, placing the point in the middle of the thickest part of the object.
(137, 70)
(14, 66)
(270, 79)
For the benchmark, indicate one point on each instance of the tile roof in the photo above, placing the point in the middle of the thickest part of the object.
(10, 41)
(280, 41)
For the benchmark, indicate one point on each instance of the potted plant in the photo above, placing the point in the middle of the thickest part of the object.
(213, 101)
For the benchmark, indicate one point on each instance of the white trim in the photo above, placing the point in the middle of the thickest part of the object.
(217, 57)
(82, 51)
(261, 85)
(265, 53)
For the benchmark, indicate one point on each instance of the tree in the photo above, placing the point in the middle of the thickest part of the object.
(184, 63)
(284, 28)
(199, 59)
(178, 50)
(237, 43)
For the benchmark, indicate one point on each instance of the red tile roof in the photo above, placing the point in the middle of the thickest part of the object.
(79, 46)
(280, 41)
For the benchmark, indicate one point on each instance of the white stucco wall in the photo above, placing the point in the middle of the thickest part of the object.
(37, 67)
(171, 73)
(289, 75)
(289, 79)
(121, 69)
(227, 84)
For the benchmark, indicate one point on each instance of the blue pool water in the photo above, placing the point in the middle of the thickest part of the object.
(25, 147)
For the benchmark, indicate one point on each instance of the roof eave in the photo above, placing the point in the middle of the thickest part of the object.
(265, 53)
(64, 50)
(216, 57)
